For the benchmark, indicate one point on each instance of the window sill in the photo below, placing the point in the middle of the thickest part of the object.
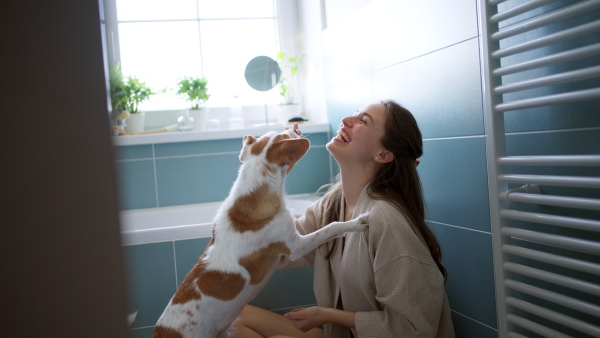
(188, 136)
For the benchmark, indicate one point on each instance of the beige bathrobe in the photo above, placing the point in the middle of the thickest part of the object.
(386, 275)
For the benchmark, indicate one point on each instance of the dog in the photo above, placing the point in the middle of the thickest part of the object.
(252, 230)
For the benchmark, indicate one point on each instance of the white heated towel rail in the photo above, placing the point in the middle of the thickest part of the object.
(546, 262)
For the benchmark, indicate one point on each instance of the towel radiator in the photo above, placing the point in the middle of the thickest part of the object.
(545, 227)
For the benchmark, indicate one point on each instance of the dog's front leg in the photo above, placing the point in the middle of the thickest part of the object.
(305, 244)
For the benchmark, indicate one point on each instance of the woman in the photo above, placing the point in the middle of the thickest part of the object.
(387, 281)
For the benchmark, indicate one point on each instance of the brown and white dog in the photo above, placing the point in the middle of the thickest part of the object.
(251, 231)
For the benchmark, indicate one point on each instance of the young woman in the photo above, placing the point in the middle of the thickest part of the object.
(387, 281)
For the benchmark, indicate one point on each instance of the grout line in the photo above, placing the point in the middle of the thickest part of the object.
(427, 53)
(175, 261)
(195, 155)
(453, 137)
(135, 159)
(476, 321)
(199, 155)
(155, 177)
(460, 227)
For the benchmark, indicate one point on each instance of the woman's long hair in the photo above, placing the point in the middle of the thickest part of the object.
(397, 181)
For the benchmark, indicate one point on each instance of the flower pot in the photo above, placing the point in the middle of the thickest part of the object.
(285, 112)
(135, 123)
(200, 118)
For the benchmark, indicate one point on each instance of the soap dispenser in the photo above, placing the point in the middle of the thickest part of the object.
(185, 121)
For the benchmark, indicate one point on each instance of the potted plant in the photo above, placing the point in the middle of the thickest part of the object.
(118, 94)
(289, 67)
(137, 92)
(118, 99)
(194, 89)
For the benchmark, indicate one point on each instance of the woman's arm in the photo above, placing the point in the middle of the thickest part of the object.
(305, 319)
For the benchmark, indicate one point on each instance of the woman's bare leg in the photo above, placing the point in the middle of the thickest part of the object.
(256, 322)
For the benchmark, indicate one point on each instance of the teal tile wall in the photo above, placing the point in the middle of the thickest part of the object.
(428, 61)
(426, 57)
(157, 269)
(168, 174)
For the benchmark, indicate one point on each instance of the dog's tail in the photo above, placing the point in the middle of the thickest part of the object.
(131, 318)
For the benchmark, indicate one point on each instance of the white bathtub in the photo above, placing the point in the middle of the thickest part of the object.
(183, 222)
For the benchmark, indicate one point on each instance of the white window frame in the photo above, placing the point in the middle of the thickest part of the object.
(284, 17)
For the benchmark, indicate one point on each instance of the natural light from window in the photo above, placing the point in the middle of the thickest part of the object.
(161, 41)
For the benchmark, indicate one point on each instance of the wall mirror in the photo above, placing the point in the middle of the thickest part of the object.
(262, 73)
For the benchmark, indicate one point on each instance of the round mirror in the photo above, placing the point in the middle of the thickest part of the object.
(262, 73)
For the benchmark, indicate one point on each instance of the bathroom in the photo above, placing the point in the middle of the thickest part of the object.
(428, 60)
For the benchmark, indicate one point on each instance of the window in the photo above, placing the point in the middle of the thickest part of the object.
(159, 41)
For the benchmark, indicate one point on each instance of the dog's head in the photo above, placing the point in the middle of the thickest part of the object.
(275, 149)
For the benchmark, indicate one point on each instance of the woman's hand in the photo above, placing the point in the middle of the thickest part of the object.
(305, 319)
(308, 318)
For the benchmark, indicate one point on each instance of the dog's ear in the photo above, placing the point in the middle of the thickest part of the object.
(288, 152)
(248, 140)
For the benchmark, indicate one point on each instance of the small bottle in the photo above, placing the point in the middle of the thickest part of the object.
(185, 121)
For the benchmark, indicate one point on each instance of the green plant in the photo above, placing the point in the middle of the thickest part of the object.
(126, 93)
(194, 89)
(118, 93)
(137, 92)
(289, 67)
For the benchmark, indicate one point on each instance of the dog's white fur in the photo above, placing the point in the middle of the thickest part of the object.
(252, 230)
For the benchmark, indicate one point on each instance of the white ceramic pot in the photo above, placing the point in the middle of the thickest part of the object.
(200, 118)
(287, 111)
(135, 123)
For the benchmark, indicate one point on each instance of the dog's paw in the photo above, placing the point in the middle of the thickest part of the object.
(362, 219)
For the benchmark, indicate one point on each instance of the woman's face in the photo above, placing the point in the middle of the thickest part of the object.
(359, 136)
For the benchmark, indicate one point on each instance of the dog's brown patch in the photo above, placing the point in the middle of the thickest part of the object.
(258, 147)
(253, 211)
(188, 291)
(165, 332)
(221, 285)
(258, 262)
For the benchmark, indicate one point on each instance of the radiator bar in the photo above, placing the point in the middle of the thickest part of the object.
(575, 75)
(570, 302)
(495, 2)
(562, 221)
(582, 245)
(566, 34)
(568, 181)
(573, 323)
(574, 96)
(563, 261)
(562, 160)
(573, 54)
(559, 201)
(520, 9)
(533, 327)
(554, 278)
(515, 335)
(548, 18)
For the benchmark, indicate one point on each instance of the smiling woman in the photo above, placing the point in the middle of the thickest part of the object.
(161, 41)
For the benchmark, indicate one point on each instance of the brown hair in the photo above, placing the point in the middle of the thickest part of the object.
(397, 181)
